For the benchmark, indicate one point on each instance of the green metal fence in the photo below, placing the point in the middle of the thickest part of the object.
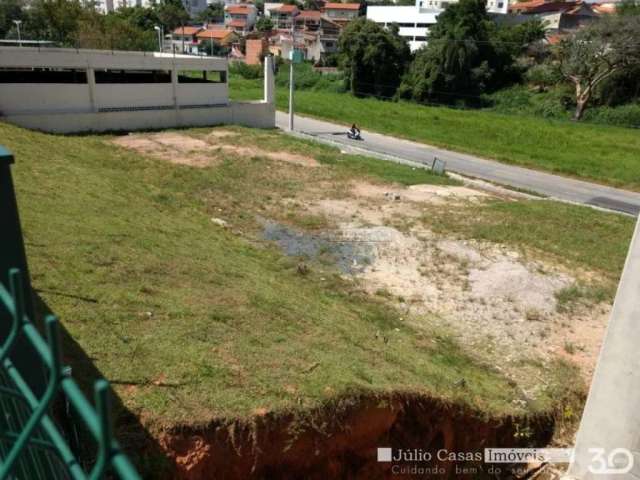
(36, 389)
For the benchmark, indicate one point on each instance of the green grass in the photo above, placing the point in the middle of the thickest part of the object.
(608, 155)
(191, 321)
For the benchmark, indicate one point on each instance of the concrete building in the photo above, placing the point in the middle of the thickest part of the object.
(240, 18)
(342, 13)
(67, 90)
(282, 16)
(414, 21)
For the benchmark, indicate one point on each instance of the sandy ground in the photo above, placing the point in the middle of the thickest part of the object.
(185, 150)
(495, 300)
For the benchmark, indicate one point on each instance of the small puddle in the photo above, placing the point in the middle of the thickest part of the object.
(351, 256)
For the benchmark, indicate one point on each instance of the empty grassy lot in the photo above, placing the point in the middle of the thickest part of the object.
(191, 321)
(194, 322)
(608, 155)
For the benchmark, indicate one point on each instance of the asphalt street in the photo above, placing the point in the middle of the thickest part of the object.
(547, 184)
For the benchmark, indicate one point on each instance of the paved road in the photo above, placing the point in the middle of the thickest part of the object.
(554, 186)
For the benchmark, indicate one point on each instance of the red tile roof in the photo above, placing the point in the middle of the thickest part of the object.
(604, 8)
(187, 30)
(285, 9)
(309, 15)
(341, 6)
(540, 6)
(216, 34)
(238, 9)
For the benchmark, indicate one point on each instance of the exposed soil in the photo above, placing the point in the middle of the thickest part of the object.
(499, 303)
(186, 150)
(343, 442)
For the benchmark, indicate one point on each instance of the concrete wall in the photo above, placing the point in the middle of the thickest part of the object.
(39, 97)
(250, 114)
(611, 417)
(81, 107)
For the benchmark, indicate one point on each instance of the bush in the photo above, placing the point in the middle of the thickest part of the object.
(543, 75)
(249, 72)
(306, 78)
(624, 115)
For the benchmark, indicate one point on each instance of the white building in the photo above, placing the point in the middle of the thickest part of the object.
(414, 21)
(105, 6)
(67, 90)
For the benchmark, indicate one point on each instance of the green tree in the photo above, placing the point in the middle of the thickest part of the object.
(596, 53)
(467, 54)
(214, 13)
(10, 10)
(171, 14)
(628, 7)
(55, 20)
(264, 24)
(372, 58)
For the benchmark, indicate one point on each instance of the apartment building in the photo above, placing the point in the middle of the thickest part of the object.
(414, 21)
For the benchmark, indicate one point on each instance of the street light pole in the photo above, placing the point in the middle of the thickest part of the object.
(157, 29)
(291, 61)
(18, 22)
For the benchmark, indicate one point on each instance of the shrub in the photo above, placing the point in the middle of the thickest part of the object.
(624, 115)
(249, 72)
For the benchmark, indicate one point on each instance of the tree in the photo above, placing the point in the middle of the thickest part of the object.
(628, 7)
(55, 20)
(10, 10)
(595, 53)
(264, 24)
(467, 54)
(171, 14)
(214, 13)
(372, 58)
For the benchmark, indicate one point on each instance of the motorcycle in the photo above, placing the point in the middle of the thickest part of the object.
(354, 135)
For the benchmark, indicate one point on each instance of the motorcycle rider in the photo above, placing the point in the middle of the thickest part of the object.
(354, 131)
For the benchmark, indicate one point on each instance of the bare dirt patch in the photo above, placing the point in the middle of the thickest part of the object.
(495, 300)
(170, 146)
(186, 150)
(293, 158)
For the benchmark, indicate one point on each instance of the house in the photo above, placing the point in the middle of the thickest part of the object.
(342, 13)
(255, 49)
(556, 16)
(240, 18)
(219, 36)
(414, 21)
(308, 20)
(185, 40)
(315, 39)
(282, 16)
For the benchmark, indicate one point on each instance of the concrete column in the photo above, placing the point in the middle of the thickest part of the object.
(174, 87)
(269, 80)
(611, 417)
(91, 82)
